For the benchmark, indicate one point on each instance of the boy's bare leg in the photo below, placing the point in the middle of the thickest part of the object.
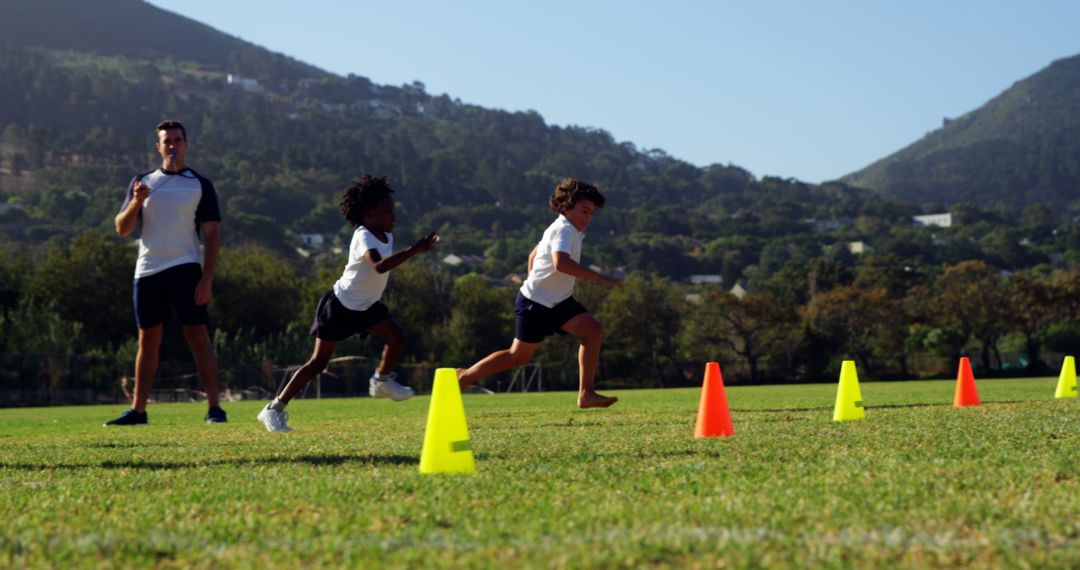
(146, 364)
(591, 332)
(205, 361)
(391, 333)
(324, 349)
(519, 353)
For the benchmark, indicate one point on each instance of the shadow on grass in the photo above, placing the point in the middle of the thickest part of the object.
(118, 445)
(874, 407)
(315, 460)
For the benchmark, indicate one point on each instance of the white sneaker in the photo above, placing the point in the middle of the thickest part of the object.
(389, 388)
(274, 420)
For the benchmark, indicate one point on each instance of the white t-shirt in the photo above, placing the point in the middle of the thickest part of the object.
(171, 217)
(545, 285)
(360, 285)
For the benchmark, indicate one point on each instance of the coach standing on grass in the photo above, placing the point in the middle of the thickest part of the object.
(175, 205)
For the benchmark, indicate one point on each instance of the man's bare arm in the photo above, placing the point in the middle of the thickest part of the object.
(127, 218)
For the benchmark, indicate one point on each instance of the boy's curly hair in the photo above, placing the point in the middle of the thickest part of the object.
(363, 195)
(570, 191)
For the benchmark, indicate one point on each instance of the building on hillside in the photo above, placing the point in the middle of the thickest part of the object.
(248, 84)
(383, 108)
(455, 260)
(738, 291)
(427, 109)
(706, 279)
(858, 247)
(940, 220)
(311, 240)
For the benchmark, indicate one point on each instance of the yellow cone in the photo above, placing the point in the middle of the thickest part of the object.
(447, 448)
(1066, 387)
(848, 396)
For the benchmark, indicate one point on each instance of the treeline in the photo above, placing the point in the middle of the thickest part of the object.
(74, 128)
(896, 321)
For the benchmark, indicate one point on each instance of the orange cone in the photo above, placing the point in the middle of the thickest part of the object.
(713, 417)
(966, 393)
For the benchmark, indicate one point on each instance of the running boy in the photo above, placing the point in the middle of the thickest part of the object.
(352, 305)
(545, 304)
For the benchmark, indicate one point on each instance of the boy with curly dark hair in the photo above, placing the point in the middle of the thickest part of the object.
(545, 304)
(352, 305)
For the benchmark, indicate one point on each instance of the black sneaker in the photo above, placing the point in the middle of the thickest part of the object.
(216, 415)
(128, 418)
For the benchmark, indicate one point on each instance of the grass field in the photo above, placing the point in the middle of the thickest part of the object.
(916, 484)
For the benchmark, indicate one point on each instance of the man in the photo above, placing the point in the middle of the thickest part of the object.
(175, 205)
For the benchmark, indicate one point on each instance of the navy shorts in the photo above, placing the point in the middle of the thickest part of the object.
(336, 322)
(173, 288)
(534, 321)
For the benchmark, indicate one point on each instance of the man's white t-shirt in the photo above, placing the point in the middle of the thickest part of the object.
(545, 285)
(360, 285)
(171, 217)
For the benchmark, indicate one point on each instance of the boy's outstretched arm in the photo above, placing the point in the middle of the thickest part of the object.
(422, 245)
(566, 264)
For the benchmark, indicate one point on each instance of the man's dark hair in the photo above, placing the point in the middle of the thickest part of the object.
(571, 191)
(363, 195)
(171, 124)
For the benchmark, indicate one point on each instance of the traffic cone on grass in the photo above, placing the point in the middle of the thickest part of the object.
(447, 448)
(848, 396)
(713, 417)
(1066, 387)
(966, 393)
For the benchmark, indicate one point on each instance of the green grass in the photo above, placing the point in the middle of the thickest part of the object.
(917, 484)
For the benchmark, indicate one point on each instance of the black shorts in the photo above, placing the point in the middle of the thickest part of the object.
(335, 322)
(534, 321)
(174, 288)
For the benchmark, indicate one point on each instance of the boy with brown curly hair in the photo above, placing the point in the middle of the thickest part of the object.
(545, 304)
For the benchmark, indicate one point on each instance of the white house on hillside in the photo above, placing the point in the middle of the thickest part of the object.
(246, 83)
(455, 260)
(857, 247)
(940, 220)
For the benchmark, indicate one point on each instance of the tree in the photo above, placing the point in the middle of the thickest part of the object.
(419, 298)
(755, 329)
(254, 290)
(15, 271)
(89, 282)
(971, 297)
(888, 272)
(479, 320)
(1038, 303)
(866, 324)
(641, 322)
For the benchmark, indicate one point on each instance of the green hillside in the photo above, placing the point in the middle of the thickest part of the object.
(1022, 147)
(136, 29)
(833, 271)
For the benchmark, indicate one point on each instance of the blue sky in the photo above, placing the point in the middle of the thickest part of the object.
(805, 89)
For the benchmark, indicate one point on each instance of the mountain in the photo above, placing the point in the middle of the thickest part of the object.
(1020, 148)
(138, 30)
(77, 116)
